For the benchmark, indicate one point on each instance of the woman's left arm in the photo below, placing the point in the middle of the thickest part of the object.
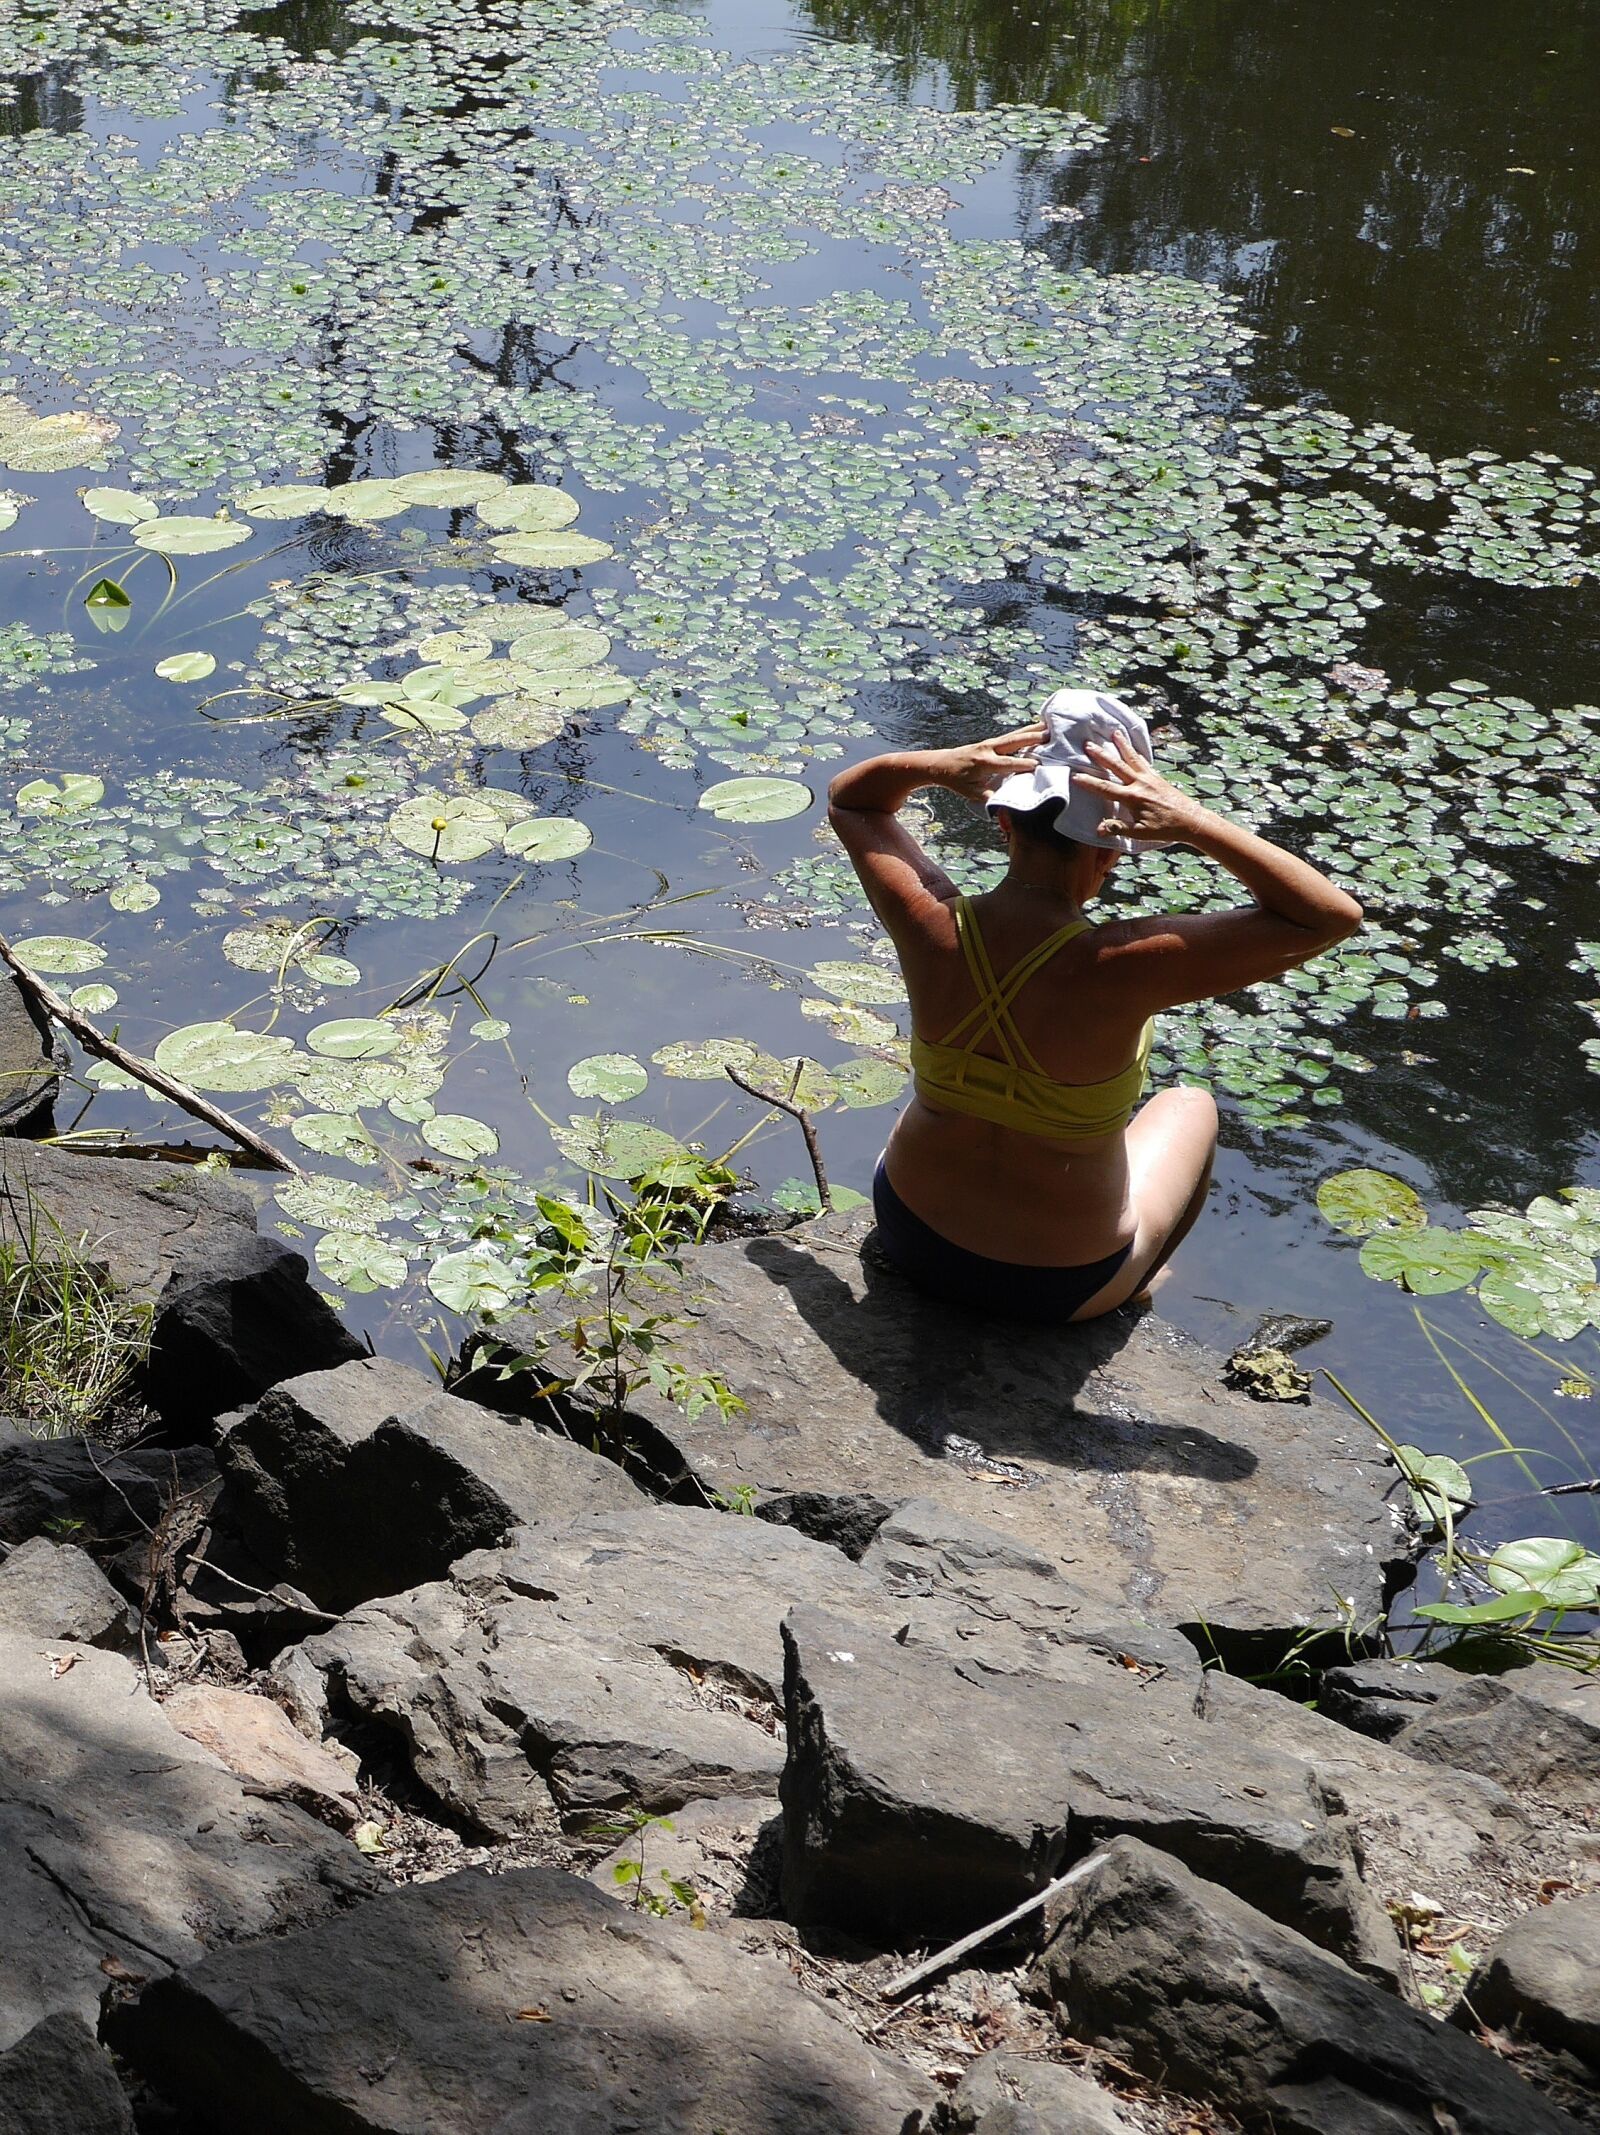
(864, 804)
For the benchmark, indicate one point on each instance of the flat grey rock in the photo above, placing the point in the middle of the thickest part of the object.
(1111, 1448)
(1542, 1977)
(124, 1843)
(1009, 2094)
(29, 1075)
(53, 1590)
(628, 1658)
(57, 2081)
(366, 1479)
(1207, 1996)
(1534, 1728)
(516, 2004)
(924, 1796)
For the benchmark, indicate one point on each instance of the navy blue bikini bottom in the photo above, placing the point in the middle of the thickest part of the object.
(1004, 1289)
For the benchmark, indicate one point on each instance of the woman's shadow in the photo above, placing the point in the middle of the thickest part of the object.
(1098, 1396)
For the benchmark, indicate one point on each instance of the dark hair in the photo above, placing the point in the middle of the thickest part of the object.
(1039, 823)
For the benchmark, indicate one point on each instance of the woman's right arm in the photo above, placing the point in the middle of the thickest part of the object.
(1296, 911)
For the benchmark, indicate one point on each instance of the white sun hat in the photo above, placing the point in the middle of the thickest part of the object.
(1075, 717)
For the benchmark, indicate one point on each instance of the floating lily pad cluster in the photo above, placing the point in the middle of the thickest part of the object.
(1532, 1270)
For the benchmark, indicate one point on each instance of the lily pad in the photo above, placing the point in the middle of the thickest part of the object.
(612, 1077)
(216, 1056)
(353, 1038)
(459, 1135)
(59, 952)
(475, 1279)
(184, 536)
(488, 1029)
(799, 1197)
(518, 723)
(333, 1134)
(1438, 1484)
(72, 794)
(118, 507)
(284, 500)
(529, 508)
(863, 984)
(550, 552)
(1562, 1571)
(1427, 1262)
(1360, 1203)
(614, 1148)
(329, 1204)
(863, 1082)
(461, 828)
(365, 501)
(360, 1261)
(94, 999)
(548, 837)
(186, 667)
(756, 800)
(703, 1059)
(135, 895)
(108, 606)
(449, 488)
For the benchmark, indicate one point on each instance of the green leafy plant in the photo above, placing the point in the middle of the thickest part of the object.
(660, 1894)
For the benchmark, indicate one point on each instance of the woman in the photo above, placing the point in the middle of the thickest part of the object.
(1018, 1180)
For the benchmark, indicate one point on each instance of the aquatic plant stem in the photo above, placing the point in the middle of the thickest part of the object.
(803, 1120)
(95, 1041)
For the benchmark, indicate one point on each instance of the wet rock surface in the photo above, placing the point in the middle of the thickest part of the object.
(1113, 1448)
(1190, 1984)
(511, 2004)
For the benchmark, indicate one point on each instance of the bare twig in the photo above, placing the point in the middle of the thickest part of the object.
(941, 1958)
(802, 1117)
(95, 1041)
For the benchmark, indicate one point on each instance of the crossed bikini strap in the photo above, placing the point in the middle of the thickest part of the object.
(992, 1010)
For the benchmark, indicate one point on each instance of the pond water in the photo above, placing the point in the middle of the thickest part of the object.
(808, 375)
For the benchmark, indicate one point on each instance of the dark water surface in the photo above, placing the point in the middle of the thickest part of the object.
(1404, 199)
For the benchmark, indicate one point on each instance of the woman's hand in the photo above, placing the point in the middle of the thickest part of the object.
(979, 767)
(1149, 806)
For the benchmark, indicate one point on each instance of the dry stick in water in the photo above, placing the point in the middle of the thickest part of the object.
(145, 1071)
(803, 1117)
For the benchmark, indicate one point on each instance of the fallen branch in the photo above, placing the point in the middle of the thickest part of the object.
(95, 1041)
(799, 1114)
(937, 1963)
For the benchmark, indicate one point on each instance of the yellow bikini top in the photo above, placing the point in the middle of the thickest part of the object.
(1014, 1091)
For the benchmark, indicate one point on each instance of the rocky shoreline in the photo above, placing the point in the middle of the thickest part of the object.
(374, 1758)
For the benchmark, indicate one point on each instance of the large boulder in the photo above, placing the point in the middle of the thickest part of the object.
(626, 1659)
(1542, 1977)
(231, 1312)
(29, 1068)
(260, 1744)
(924, 1796)
(1111, 1448)
(57, 2081)
(1206, 1995)
(1534, 1728)
(52, 1590)
(125, 1848)
(508, 2005)
(367, 1479)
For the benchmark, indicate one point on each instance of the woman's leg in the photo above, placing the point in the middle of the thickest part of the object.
(1170, 1148)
